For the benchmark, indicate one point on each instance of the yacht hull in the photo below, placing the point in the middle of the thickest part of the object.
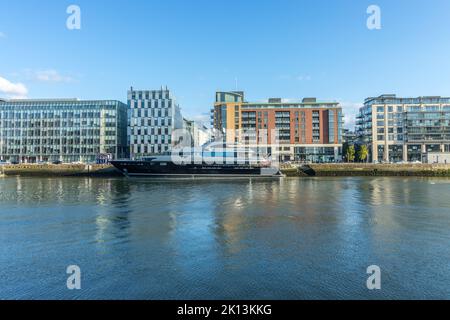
(171, 170)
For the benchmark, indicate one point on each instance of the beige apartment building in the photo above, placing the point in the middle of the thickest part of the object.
(404, 129)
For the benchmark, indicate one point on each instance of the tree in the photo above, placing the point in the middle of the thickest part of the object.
(363, 153)
(350, 155)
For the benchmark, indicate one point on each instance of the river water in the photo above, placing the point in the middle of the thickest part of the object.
(274, 239)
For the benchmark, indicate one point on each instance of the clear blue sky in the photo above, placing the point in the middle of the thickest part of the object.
(288, 49)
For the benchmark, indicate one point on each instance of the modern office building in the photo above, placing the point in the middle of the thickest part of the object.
(404, 129)
(306, 130)
(199, 134)
(67, 130)
(153, 115)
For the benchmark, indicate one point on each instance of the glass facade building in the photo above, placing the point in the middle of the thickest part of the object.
(67, 130)
(404, 129)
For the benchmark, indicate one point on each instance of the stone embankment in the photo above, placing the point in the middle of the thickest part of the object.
(293, 170)
(362, 169)
(60, 170)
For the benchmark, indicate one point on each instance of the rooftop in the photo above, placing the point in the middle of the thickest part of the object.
(53, 101)
(271, 101)
(40, 100)
(390, 98)
(162, 89)
(279, 101)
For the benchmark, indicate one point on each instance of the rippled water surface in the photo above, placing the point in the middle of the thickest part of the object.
(275, 239)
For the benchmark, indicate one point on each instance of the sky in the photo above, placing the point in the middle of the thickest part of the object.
(285, 48)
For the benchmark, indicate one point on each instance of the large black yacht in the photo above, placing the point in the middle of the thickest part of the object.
(164, 166)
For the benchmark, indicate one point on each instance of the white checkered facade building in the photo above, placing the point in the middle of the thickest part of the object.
(153, 115)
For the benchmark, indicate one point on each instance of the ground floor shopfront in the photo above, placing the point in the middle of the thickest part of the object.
(411, 152)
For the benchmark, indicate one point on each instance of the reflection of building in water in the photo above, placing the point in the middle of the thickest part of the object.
(392, 200)
(64, 191)
(230, 223)
(247, 208)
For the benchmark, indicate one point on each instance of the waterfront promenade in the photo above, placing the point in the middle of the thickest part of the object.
(291, 170)
(61, 170)
(367, 169)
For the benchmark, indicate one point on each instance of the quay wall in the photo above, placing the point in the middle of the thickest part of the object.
(293, 170)
(362, 169)
(60, 170)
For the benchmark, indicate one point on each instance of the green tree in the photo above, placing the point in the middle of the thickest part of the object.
(350, 154)
(363, 153)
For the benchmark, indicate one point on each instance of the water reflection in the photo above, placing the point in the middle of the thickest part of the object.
(289, 238)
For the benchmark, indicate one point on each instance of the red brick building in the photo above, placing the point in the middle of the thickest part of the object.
(302, 131)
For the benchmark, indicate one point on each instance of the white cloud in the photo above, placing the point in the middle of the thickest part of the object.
(49, 76)
(13, 90)
(350, 110)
